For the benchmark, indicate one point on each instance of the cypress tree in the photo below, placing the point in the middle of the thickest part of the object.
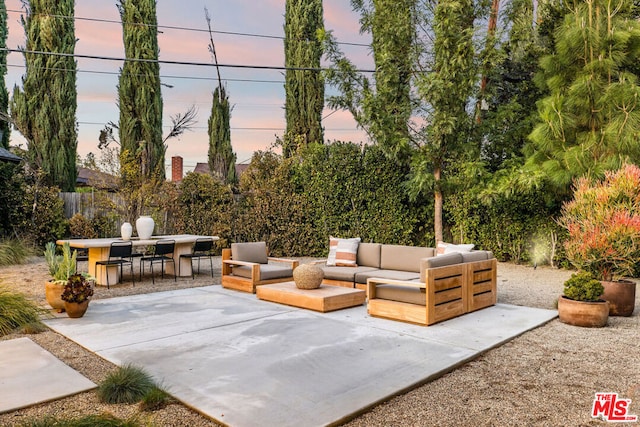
(304, 89)
(44, 110)
(140, 98)
(222, 160)
(4, 96)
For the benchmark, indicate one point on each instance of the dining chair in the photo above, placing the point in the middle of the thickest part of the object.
(119, 255)
(162, 253)
(201, 249)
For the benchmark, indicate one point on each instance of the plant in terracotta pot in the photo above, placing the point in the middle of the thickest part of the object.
(580, 304)
(77, 294)
(60, 268)
(603, 224)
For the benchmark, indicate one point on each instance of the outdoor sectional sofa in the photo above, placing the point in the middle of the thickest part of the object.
(416, 285)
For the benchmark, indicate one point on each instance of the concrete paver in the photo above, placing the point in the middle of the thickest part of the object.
(247, 362)
(29, 374)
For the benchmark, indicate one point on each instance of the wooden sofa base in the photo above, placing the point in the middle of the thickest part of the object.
(246, 285)
(451, 291)
(342, 283)
(413, 313)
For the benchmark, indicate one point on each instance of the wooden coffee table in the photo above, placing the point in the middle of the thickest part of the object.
(325, 298)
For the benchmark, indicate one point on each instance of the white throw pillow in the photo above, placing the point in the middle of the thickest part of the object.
(450, 248)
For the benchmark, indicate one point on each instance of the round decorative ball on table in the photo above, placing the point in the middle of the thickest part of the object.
(308, 276)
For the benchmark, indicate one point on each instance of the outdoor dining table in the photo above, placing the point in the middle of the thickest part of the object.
(99, 251)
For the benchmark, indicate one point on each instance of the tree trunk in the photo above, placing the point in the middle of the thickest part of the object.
(438, 199)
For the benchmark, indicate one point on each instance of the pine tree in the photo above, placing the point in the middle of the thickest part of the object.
(304, 88)
(44, 110)
(590, 122)
(222, 160)
(140, 98)
(4, 96)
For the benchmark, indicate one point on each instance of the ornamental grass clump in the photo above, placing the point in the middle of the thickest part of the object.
(18, 312)
(603, 221)
(128, 384)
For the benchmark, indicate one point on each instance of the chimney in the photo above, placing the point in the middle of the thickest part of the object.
(176, 168)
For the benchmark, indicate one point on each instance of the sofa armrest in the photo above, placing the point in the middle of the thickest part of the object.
(293, 262)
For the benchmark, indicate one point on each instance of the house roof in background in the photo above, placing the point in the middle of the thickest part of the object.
(204, 168)
(8, 156)
(96, 179)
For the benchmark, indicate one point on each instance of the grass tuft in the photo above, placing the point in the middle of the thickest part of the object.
(127, 384)
(14, 252)
(17, 311)
(103, 420)
(155, 399)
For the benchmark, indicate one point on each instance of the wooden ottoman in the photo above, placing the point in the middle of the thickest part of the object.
(323, 299)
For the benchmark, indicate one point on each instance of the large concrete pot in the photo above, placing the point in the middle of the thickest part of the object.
(621, 296)
(583, 313)
(52, 292)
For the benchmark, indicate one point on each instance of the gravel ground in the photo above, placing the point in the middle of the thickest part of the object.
(546, 377)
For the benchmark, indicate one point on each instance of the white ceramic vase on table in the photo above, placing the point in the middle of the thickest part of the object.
(145, 226)
(126, 230)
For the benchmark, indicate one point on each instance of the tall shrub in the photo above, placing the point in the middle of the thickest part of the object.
(4, 95)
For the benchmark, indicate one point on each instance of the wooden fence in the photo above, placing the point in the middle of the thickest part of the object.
(88, 204)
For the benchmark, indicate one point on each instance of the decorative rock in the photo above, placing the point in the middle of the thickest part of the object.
(308, 276)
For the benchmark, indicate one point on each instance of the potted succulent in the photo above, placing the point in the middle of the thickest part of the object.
(580, 304)
(60, 268)
(603, 224)
(77, 294)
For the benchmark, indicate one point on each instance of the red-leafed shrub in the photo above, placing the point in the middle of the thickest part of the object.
(603, 221)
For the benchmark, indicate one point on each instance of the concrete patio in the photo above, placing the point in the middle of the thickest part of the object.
(238, 360)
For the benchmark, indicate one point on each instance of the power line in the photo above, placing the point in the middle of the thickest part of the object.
(170, 62)
(172, 27)
(114, 73)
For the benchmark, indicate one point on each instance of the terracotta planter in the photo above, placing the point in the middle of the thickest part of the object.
(583, 313)
(52, 291)
(75, 309)
(621, 296)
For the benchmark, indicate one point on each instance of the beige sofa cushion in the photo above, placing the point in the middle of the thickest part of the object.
(369, 255)
(250, 252)
(476, 256)
(387, 274)
(267, 271)
(403, 258)
(406, 294)
(438, 261)
(344, 274)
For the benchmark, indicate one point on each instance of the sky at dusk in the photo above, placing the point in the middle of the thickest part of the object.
(258, 106)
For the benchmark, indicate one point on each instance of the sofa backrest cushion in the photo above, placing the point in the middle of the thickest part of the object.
(404, 258)
(476, 256)
(250, 252)
(438, 261)
(369, 255)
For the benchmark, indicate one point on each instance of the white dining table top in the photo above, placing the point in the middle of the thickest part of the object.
(106, 242)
